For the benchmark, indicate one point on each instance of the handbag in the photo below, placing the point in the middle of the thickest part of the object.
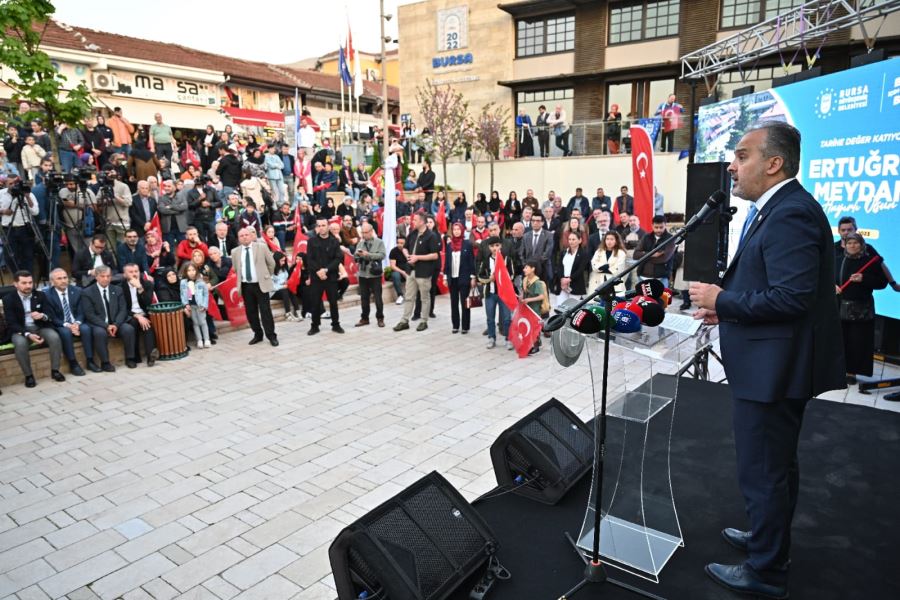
(857, 310)
(474, 299)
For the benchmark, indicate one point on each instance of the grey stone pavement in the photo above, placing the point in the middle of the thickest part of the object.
(228, 474)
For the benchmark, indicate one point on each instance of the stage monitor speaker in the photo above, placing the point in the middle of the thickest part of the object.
(422, 544)
(784, 80)
(706, 248)
(744, 91)
(868, 58)
(808, 74)
(544, 454)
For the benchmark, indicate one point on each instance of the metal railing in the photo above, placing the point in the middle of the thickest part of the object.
(583, 138)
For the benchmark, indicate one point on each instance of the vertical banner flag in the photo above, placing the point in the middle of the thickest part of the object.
(296, 120)
(642, 174)
(389, 235)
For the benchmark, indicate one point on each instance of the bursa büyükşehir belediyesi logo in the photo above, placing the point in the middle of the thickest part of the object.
(825, 103)
(893, 94)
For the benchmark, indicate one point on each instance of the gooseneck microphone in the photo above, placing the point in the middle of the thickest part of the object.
(712, 205)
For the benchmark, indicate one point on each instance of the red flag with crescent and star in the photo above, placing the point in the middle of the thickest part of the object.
(524, 329)
(231, 295)
(505, 288)
(155, 226)
(642, 174)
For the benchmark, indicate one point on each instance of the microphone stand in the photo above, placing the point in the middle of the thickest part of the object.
(594, 572)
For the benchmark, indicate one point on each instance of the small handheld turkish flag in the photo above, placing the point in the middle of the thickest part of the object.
(505, 288)
(524, 329)
(231, 295)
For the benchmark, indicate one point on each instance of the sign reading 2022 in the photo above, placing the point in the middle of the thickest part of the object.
(451, 61)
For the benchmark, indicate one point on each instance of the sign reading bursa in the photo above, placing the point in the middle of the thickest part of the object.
(439, 62)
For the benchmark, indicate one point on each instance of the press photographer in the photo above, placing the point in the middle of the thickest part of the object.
(18, 211)
(74, 198)
(370, 253)
(113, 201)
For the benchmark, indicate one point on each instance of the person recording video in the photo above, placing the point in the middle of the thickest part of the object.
(18, 209)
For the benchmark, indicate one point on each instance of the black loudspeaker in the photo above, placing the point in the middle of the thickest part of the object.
(420, 545)
(706, 248)
(868, 58)
(544, 454)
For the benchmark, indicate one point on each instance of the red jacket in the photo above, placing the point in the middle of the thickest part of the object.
(184, 250)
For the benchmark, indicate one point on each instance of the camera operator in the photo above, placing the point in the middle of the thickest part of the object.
(370, 253)
(73, 201)
(46, 190)
(115, 198)
(202, 204)
(18, 210)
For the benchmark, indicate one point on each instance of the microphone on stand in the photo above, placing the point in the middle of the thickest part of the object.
(712, 205)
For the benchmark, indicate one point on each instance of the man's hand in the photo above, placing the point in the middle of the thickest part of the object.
(856, 278)
(413, 259)
(36, 338)
(38, 316)
(709, 317)
(837, 289)
(704, 295)
(143, 321)
(658, 254)
(111, 330)
(322, 273)
(74, 328)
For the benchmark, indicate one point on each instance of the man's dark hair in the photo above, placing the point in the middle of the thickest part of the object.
(99, 236)
(132, 230)
(133, 265)
(321, 219)
(781, 140)
(846, 220)
(191, 227)
(659, 219)
(20, 274)
(537, 215)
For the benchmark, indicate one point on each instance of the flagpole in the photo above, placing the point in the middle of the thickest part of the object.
(342, 99)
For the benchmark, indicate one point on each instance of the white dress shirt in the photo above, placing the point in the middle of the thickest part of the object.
(253, 276)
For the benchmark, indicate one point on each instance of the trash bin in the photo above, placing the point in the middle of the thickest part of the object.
(167, 319)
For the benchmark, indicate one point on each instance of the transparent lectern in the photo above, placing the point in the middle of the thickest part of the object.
(639, 528)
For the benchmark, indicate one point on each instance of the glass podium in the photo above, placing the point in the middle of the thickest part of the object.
(639, 529)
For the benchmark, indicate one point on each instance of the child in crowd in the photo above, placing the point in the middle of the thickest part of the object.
(195, 297)
(280, 291)
(250, 218)
(534, 294)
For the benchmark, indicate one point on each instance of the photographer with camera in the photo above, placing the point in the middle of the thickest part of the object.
(115, 201)
(370, 253)
(18, 209)
(47, 184)
(74, 197)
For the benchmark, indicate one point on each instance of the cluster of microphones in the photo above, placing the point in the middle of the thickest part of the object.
(646, 305)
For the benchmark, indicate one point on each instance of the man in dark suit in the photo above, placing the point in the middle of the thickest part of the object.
(781, 345)
(27, 322)
(624, 201)
(254, 266)
(579, 201)
(66, 314)
(601, 201)
(223, 239)
(105, 312)
(143, 208)
(538, 244)
(131, 250)
(138, 295)
(88, 259)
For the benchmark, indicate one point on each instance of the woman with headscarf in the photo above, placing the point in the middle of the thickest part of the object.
(168, 288)
(459, 269)
(481, 204)
(495, 204)
(142, 163)
(512, 211)
(159, 253)
(524, 143)
(861, 271)
(207, 146)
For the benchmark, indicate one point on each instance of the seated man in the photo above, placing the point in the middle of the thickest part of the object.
(138, 293)
(64, 310)
(349, 236)
(191, 242)
(27, 323)
(88, 259)
(131, 250)
(105, 311)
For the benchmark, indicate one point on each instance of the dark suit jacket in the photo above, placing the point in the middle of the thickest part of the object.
(601, 202)
(82, 263)
(230, 242)
(544, 248)
(779, 325)
(145, 296)
(136, 213)
(14, 312)
(138, 256)
(578, 276)
(625, 204)
(466, 261)
(92, 303)
(54, 305)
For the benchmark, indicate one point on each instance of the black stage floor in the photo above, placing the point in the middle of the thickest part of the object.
(846, 535)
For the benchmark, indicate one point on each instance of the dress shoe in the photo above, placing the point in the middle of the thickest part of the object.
(274, 342)
(255, 340)
(29, 381)
(422, 326)
(737, 538)
(57, 376)
(416, 317)
(431, 315)
(130, 363)
(739, 578)
(362, 323)
(313, 330)
(381, 322)
(464, 331)
(76, 370)
(455, 331)
(337, 329)
(93, 368)
(154, 355)
(108, 367)
(402, 325)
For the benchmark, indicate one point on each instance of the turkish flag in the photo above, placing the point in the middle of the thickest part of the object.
(524, 329)
(231, 295)
(352, 268)
(375, 180)
(441, 218)
(442, 286)
(272, 244)
(642, 174)
(213, 309)
(300, 241)
(293, 282)
(505, 288)
(155, 226)
(379, 221)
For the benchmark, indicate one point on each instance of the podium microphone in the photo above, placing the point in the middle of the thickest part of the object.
(712, 205)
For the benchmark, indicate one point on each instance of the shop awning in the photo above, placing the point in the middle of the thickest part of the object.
(255, 118)
(181, 116)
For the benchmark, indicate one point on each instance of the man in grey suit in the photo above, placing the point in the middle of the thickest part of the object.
(254, 266)
(172, 208)
(106, 313)
(538, 244)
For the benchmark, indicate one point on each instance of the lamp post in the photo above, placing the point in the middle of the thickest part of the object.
(384, 92)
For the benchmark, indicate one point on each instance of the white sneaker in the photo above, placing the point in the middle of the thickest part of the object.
(289, 317)
(509, 345)
(326, 314)
(492, 343)
(299, 317)
(208, 344)
(399, 300)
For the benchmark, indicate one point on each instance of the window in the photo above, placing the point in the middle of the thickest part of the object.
(545, 35)
(644, 21)
(740, 13)
(530, 101)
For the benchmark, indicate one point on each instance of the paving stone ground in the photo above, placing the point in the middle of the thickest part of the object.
(227, 474)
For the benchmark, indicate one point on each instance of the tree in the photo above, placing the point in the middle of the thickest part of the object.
(470, 134)
(444, 112)
(37, 81)
(492, 132)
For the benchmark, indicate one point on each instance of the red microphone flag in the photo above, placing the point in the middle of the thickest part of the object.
(642, 175)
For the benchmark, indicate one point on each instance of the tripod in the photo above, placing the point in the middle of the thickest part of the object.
(594, 572)
(18, 198)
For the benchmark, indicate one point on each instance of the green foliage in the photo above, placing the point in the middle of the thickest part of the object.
(37, 82)
(444, 112)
